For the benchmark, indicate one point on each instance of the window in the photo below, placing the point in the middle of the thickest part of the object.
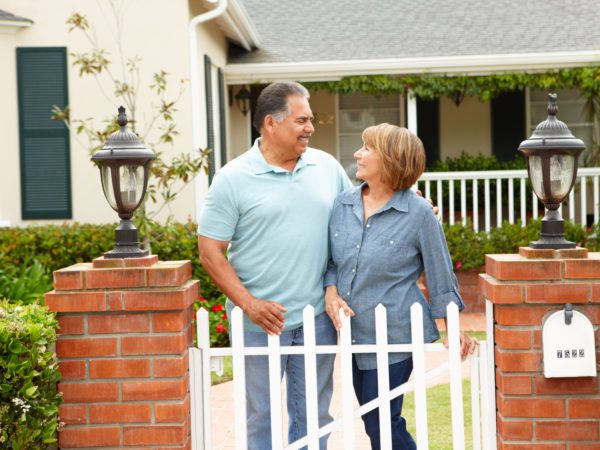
(44, 143)
(359, 111)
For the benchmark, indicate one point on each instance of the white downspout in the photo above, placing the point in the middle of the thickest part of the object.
(411, 111)
(195, 87)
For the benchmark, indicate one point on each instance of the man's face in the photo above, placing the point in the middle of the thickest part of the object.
(293, 132)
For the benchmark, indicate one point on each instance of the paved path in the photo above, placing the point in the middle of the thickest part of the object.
(223, 404)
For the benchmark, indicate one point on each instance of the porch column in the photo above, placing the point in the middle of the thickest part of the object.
(411, 111)
(125, 329)
(534, 411)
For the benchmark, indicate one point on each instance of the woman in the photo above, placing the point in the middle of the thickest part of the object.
(382, 236)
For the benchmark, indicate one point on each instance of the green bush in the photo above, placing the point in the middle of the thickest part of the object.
(26, 283)
(29, 375)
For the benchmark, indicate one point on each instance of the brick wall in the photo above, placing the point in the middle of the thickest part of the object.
(534, 412)
(125, 326)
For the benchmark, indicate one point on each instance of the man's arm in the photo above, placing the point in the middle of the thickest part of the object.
(266, 314)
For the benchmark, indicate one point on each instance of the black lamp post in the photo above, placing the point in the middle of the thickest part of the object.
(242, 98)
(124, 164)
(552, 153)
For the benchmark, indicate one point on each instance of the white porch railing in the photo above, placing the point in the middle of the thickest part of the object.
(584, 199)
(482, 383)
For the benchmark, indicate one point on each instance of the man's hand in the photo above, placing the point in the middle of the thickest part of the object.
(468, 345)
(266, 314)
(436, 210)
(333, 303)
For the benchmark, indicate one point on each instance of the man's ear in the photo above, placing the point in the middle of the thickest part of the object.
(268, 124)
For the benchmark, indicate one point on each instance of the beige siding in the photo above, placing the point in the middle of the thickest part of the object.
(152, 30)
(466, 127)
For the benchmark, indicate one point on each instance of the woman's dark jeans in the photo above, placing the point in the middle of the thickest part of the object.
(365, 387)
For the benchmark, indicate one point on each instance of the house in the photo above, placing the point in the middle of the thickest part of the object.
(349, 52)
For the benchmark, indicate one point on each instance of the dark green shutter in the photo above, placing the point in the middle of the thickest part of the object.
(508, 124)
(44, 143)
(222, 127)
(428, 128)
(210, 133)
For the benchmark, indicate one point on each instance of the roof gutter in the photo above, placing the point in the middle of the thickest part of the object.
(451, 65)
(195, 81)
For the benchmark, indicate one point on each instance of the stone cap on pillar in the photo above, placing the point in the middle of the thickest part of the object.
(112, 263)
(548, 253)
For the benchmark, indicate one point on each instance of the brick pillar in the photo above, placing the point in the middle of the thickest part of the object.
(125, 327)
(534, 412)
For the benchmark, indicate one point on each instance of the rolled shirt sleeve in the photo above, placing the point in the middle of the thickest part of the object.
(441, 281)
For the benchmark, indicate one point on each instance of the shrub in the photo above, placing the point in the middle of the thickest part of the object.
(29, 375)
(26, 283)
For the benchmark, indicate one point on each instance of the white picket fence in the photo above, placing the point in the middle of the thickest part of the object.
(583, 199)
(482, 383)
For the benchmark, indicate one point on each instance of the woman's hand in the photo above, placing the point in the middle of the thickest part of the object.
(468, 344)
(333, 303)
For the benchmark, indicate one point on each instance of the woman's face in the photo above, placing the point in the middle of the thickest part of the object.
(368, 163)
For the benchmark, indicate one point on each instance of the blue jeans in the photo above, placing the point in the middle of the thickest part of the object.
(365, 387)
(257, 384)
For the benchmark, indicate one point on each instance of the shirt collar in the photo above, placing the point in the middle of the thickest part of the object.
(260, 165)
(399, 200)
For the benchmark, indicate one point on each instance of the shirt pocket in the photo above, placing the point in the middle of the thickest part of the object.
(389, 250)
(338, 244)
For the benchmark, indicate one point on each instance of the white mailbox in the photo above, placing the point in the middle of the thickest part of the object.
(568, 344)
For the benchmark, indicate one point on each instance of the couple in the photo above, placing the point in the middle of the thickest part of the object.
(274, 208)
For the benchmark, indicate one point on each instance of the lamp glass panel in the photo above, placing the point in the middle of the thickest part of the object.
(105, 175)
(131, 186)
(562, 170)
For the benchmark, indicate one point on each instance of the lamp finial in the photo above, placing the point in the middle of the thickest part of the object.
(122, 119)
(552, 106)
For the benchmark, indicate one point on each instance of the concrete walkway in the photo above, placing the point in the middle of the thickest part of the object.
(223, 403)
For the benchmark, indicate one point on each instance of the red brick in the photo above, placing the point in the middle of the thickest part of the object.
(561, 386)
(162, 300)
(76, 437)
(584, 408)
(513, 384)
(170, 367)
(567, 431)
(587, 268)
(518, 361)
(154, 390)
(583, 446)
(72, 414)
(170, 273)
(120, 413)
(537, 338)
(89, 392)
(70, 324)
(107, 263)
(171, 321)
(500, 292)
(557, 293)
(595, 293)
(515, 430)
(118, 323)
(120, 368)
(116, 278)
(517, 268)
(85, 347)
(70, 277)
(512, 339)
(592, 312)
(72, 370)
(530, 446)
(75, 301)
(155, 345)
(531, 407)
(115, 301)
(518, 315)
(172, 412)
(155, 435)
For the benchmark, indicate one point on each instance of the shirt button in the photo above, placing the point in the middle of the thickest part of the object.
(358, 246)
(368, 225)
(335, 234)
(348, 293)
(391, 242)
(353, 270)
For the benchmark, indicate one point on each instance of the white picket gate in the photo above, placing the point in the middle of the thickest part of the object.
(482, 383)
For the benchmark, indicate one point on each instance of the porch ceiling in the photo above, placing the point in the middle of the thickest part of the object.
(349, 31)
(10, 19)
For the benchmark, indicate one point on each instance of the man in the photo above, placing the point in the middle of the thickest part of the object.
(271, 208)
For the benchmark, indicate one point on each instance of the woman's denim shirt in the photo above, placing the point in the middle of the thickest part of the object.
(381, 261)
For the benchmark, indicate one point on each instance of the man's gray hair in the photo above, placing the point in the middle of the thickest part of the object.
(273, 101)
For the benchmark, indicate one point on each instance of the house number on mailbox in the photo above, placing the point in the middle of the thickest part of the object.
(568, 345)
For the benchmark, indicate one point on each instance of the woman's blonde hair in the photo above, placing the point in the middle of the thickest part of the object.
(401, 152)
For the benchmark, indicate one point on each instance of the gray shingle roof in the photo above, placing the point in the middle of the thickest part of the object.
(331, 30)
(6, 16)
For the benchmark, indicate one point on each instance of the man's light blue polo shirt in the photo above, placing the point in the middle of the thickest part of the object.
(277, 224)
